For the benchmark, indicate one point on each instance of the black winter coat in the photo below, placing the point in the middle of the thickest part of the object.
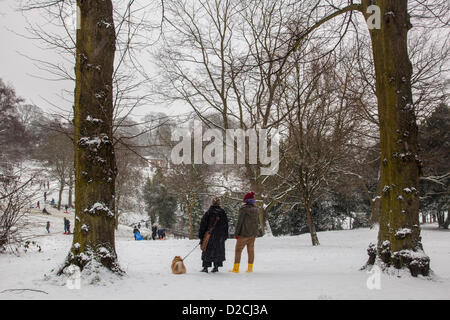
(215, 251)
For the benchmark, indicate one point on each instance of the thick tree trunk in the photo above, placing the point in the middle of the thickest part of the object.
(399, 241)
(447, 221)
(440, 218)
(95, 169)
(116, 211)
(399, 232)
(376, 205)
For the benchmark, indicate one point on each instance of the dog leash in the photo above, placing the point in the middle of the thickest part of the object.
(210, 230)
(191, 251)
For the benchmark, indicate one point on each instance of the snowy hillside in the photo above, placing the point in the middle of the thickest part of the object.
(285, 268)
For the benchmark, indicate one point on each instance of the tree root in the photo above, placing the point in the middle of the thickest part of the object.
(416, 260)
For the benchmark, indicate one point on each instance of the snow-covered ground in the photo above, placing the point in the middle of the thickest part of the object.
(285, 268)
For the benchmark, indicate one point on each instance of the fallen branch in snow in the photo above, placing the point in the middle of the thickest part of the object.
(35, 290)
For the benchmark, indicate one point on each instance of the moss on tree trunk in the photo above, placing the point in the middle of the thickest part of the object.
(70, 201)
(95, 168)
(399, 232)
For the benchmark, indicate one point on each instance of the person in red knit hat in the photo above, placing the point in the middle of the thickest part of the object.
(246, 232)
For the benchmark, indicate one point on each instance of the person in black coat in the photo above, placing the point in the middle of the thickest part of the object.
(154, 229)
(215, 251)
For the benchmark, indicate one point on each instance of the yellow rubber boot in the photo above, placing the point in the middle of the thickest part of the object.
(235, 268)
(250, 268)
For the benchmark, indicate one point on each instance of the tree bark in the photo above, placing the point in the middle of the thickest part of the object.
(400, 165)
(190, 207)
(312, 228)
(440, 218)
(61, 189)
(95, 168)
(116, 210)
(70, 200)
(447, 221)
(376, 205)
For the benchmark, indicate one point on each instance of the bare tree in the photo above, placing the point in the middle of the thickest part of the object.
(189, 184)
(12, 131)
(105, 89)
(128, 180)
(319, 126)
(15, 201)
(57, 152)
(222, 57)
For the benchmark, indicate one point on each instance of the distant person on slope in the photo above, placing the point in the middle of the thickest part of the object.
(154, 230)
(214, 221)
(246, 232)
(48, 227)
(66, 226)
(137, 234)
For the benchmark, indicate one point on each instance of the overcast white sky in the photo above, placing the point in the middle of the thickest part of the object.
(20, 72)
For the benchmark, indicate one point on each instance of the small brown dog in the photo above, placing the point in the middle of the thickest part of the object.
(178, 265)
